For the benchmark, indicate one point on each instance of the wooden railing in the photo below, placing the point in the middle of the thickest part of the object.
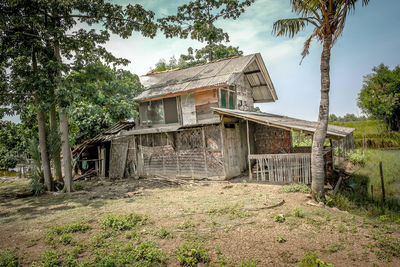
(281, 168)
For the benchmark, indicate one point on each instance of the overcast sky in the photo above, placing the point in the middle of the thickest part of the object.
(371, 37)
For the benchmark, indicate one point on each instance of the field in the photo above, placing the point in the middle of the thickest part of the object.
(155, 222)
(374, 133)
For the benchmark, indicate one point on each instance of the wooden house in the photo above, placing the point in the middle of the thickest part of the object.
(200, 122)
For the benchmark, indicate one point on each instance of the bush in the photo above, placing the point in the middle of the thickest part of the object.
(357, 157)
(311, 260)
(298, 212)
(49, 258)
(36, 178)
(123, 222)
(8, 259)
(190, 254)
(279, 218)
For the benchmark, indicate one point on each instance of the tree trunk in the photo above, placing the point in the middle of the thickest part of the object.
(317, 156)
(66, 151)
(45, 162)
(54, 130)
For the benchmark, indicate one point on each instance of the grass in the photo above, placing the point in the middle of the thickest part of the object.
(123, 222)
(293, 188)
(374, 132)
(191, 254)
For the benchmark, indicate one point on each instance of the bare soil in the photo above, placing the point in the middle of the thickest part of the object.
(233, 219)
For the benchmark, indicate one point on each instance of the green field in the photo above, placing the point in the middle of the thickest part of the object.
(374, 133)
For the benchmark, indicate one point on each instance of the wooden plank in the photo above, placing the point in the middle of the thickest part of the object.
(188, 109)
(206, 97)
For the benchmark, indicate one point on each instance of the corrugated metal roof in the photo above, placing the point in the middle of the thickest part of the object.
(213, 74)
(283, 121)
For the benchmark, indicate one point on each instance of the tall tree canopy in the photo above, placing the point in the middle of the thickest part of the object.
(44, 33)
(328, 18)
(380, 95)
(197, 20)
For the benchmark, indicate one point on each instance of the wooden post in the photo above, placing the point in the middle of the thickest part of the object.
(248, 150)
(382, 182)
(221, 129)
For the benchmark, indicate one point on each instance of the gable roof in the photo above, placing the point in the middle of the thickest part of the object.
(215, 74)
(288, 123)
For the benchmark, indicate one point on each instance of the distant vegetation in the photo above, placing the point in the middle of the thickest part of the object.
(374, 134)
(348, 117)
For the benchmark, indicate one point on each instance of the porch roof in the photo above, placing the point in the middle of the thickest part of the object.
(288, 123)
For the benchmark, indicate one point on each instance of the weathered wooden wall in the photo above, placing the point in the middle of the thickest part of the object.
(118, 155)
(195, 152)
(244, 95)
(188, 109)
(204, 102)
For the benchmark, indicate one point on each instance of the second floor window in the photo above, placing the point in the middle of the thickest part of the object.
(162, 111)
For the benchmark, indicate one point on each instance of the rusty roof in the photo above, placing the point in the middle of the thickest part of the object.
(284, 122)
(214, 74)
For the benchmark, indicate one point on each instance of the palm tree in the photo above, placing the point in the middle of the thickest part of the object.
(328, 18)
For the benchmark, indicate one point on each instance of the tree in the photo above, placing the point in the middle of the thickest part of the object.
(328, 18)
(12, 144)
(50, 26)
(197, 19)
(102, 96)
(190, 59)
(380, 95)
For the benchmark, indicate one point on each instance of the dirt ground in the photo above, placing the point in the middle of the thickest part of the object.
(235, 221)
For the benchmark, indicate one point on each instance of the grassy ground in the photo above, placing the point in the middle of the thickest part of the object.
(374, 132)
(154, 222)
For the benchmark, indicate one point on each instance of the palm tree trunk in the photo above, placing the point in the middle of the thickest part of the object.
(56, 157)
(317, 156)
(44, 156)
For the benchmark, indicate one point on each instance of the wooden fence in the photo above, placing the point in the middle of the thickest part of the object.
(281, 168)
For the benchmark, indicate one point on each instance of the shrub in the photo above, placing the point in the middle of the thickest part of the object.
(123, 222)
(298, 212)
(8, 259)
(78, 186)
(311, 260)
(49, 258)
(357, 157)
(279, 218)
(190, 254)
(36, 178)
(281, 239)
(292, 188)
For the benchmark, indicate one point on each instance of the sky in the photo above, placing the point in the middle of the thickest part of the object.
(371, 36)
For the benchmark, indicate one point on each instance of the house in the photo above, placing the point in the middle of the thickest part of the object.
(199, 121)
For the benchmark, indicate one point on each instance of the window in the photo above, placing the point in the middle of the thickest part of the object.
(223, 99)
(152, 112)
(231, 105)
(170, 110)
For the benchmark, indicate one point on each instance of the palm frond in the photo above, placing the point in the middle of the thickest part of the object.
(307, 43)
(289, 27)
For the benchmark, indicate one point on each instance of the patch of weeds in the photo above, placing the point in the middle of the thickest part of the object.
(298, 212)
(144, 254)
(388, 247)
(78, 186)
(233, 211)
(99, 240)
(340, 201)
(49, 258)
(75, 251)
(293, 188)
(287, 257)
(123, 222)
(311, 260)
(163, 233)
(78, 227)
(249, 263)
(8, 258)
(191, 254)
(333, 248)
(187, 224)
(66, 239)
(223, 261)
(134, 234)
(281, 239)
(280, 218)
(341, 228)
(314, 222)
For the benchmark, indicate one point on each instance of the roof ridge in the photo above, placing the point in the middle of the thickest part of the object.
(196, 65)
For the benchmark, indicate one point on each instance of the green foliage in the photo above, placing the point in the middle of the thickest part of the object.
(281, 239)
(66, 239)
(387, 246)
(349, 117)
(372, 134)
(380, 95)
(123, 222)
(65, 232)
(233, 211)
(78, 186)
(163, 233)
(247, 264)
(49, 258)
(36, 182)
(280, 218)
(298, 212)
(311, 260)
(357, 157)
(191, 254)
(8, 258)
(293, 188)
(12, 144)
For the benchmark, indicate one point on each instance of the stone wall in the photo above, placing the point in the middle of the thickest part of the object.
(270, 140)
